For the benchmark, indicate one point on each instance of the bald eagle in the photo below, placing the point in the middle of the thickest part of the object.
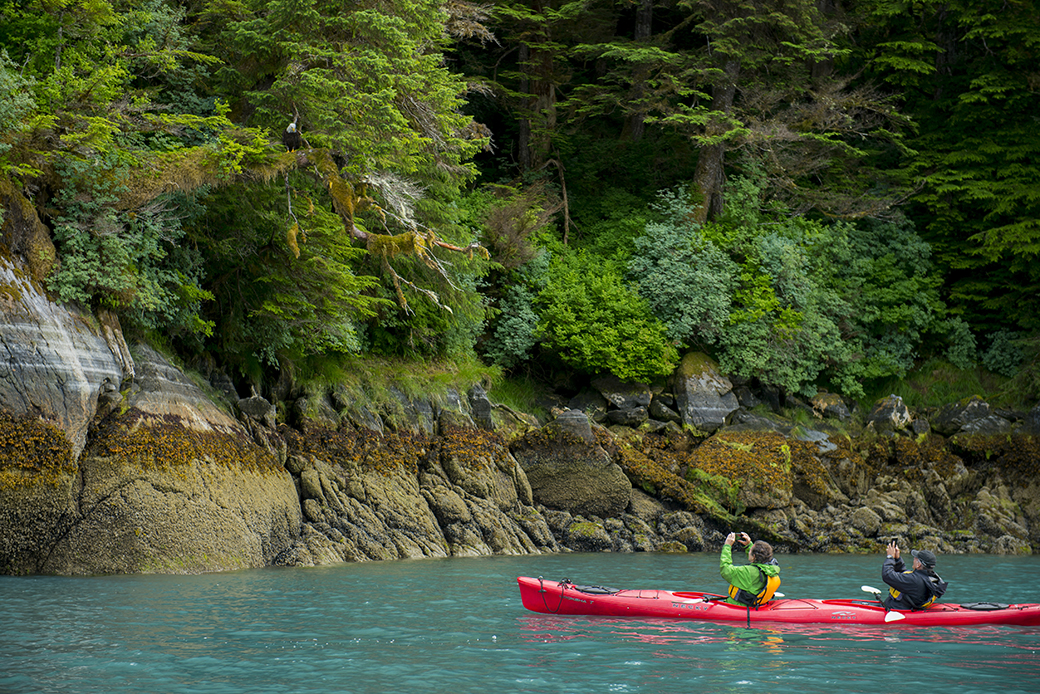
(291, 137)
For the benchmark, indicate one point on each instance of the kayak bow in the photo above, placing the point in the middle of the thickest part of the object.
(566, 598)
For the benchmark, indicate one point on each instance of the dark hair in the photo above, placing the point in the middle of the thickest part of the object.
(761, 552)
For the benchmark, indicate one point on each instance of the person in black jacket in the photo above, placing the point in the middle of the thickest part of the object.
(914, 589)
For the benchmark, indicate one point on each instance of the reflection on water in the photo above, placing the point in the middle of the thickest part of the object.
(458, 626)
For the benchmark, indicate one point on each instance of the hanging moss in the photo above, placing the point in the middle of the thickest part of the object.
(388, 246)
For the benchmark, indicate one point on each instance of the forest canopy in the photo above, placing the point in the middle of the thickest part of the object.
(818, 194)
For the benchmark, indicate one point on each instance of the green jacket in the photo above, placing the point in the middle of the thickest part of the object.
(745, 577)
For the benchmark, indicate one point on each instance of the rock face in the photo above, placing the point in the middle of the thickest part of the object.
(405, 495)
(167, 483)
(54, 363)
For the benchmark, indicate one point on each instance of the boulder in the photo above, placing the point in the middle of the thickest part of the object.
(866, 521)
(830, 405)
(628, 418)
(1031, 422)
(567, 470)
(623, 395)
(259, 410)
(587, 536)
(481, 407)
(746, 397)
(997, 514)
(990, 425)
(820, 439)
(745, 469)
(573, 423)
(412, 415)
(703, 395)
(593, 404)
(363, 417)
(952, 418)
(661, 409)
(889, 414)
(681, 531)
(307, 413)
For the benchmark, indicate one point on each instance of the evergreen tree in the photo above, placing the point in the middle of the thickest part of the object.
(967, 73)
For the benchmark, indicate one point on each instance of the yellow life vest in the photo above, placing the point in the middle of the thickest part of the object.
(761, 597)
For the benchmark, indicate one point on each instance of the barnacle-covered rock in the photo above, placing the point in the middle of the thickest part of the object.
(567, 472)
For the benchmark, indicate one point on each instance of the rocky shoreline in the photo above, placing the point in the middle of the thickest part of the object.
(114, 461)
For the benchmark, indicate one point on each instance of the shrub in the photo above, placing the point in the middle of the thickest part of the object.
(132, 261)
(597, 324)
(1004, 356)
(961, 350)
(686, 280)
(515, 330)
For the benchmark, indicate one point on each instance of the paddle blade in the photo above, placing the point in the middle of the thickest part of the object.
(893, 617)
(779, 595)
(868, 589)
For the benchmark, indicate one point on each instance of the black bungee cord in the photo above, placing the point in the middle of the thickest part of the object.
(541, 589)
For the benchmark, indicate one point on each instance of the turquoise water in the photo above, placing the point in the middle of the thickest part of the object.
(457, 625)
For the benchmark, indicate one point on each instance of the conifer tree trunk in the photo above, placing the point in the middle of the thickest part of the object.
(538, 118)
(635, 127)
(710, 174)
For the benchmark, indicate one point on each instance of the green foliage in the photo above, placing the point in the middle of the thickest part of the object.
(1024, 388)
(446, 328)
(1003, 356)
(281, 293)
(367, 79)
(596, 324)
(966, 70)
(936, 382)
(687, 281)
(18, 112)
(789, 300)
(962, 350)
(510, 219)
(883, 270)
(143, 133)
(130, 261)
(515, 330)
(111, 107)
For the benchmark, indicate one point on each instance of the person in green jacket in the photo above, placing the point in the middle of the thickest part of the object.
(755, 583)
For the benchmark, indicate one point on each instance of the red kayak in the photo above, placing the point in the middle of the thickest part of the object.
(552, 597)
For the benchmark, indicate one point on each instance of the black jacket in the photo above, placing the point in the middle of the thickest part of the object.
(910, 589)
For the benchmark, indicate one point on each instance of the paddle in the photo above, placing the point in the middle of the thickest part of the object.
(889, 615)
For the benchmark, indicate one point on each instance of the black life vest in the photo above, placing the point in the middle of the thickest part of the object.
(931, 584)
